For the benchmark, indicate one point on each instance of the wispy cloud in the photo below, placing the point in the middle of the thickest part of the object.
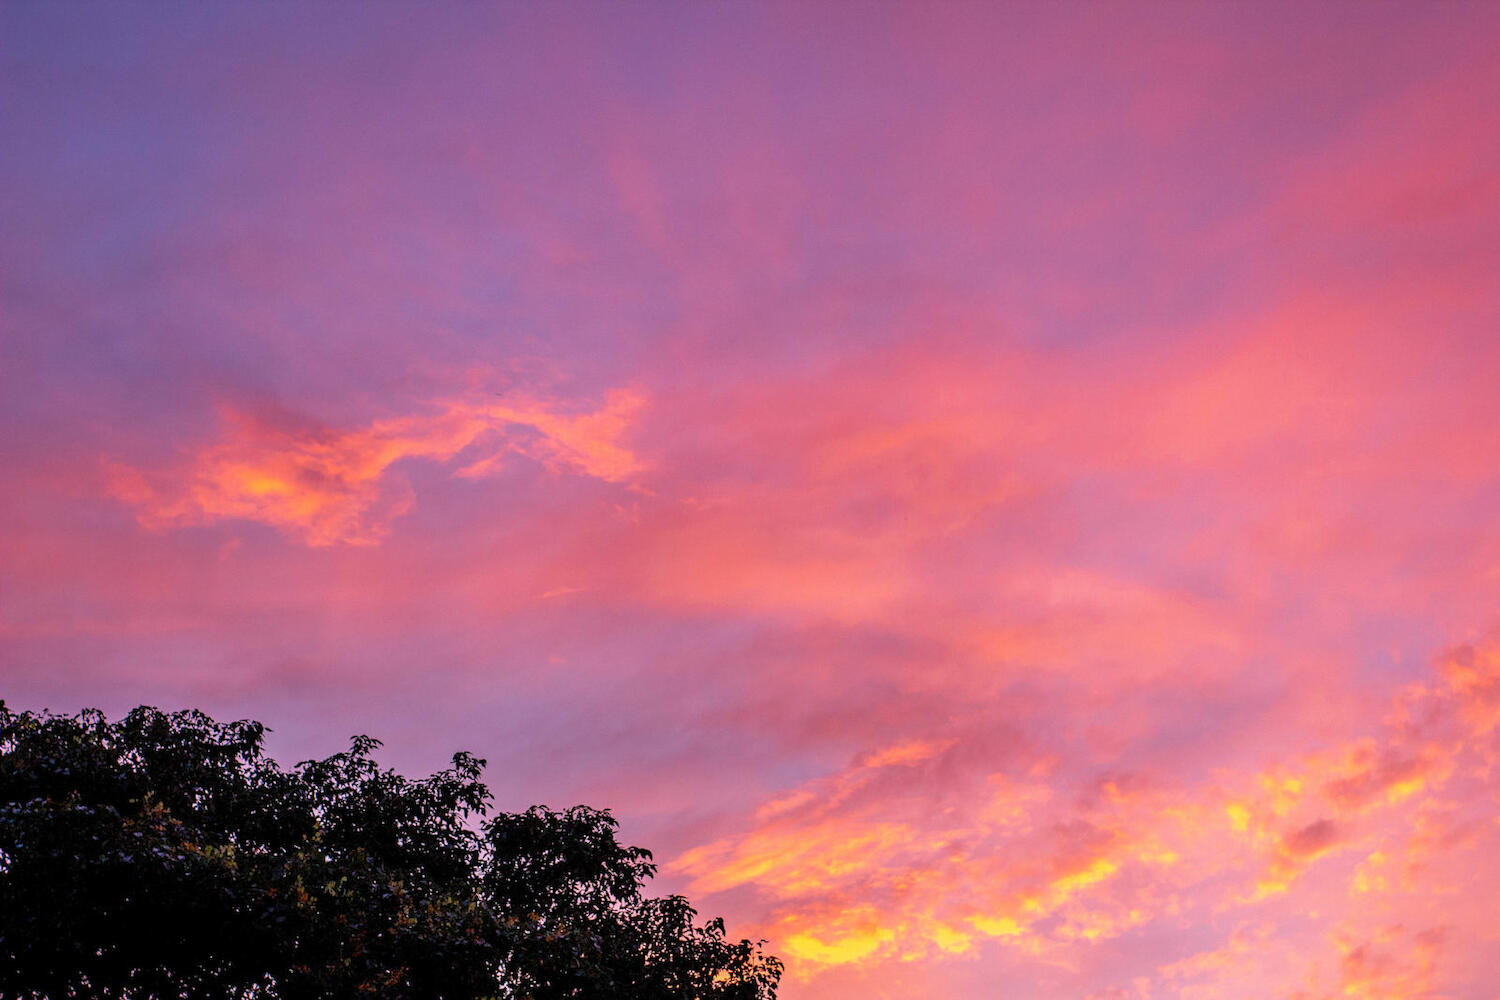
(329, 486)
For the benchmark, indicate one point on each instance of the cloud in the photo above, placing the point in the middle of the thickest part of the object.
(879, 863)
(331, 486)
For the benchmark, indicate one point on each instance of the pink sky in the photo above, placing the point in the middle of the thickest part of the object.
(1002, 499)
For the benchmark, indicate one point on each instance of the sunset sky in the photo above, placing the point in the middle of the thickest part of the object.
(1003, 499)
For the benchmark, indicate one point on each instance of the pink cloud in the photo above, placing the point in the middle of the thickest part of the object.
(331, 486)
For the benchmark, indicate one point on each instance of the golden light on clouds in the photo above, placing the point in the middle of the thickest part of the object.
(932, 880)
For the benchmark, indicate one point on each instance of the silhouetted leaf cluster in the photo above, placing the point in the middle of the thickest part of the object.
(166, 856)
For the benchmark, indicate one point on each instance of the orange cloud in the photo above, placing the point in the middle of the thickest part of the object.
(864, 867)
(330, 486)
(1391, 964)
(1295, 851)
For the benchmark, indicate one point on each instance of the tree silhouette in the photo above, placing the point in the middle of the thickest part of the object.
(165, 855)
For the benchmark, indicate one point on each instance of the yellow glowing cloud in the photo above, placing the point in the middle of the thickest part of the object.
(1009, 863)
(843, 938)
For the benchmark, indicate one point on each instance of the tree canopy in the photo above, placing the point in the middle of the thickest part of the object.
(166, 855)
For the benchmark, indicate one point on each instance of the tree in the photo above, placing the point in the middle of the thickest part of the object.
(165, 855)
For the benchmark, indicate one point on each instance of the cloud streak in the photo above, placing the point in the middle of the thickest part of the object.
(329, 486)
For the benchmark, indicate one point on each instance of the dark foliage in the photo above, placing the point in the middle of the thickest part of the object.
(164, 855)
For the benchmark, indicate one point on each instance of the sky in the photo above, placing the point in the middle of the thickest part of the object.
(1001, 498)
